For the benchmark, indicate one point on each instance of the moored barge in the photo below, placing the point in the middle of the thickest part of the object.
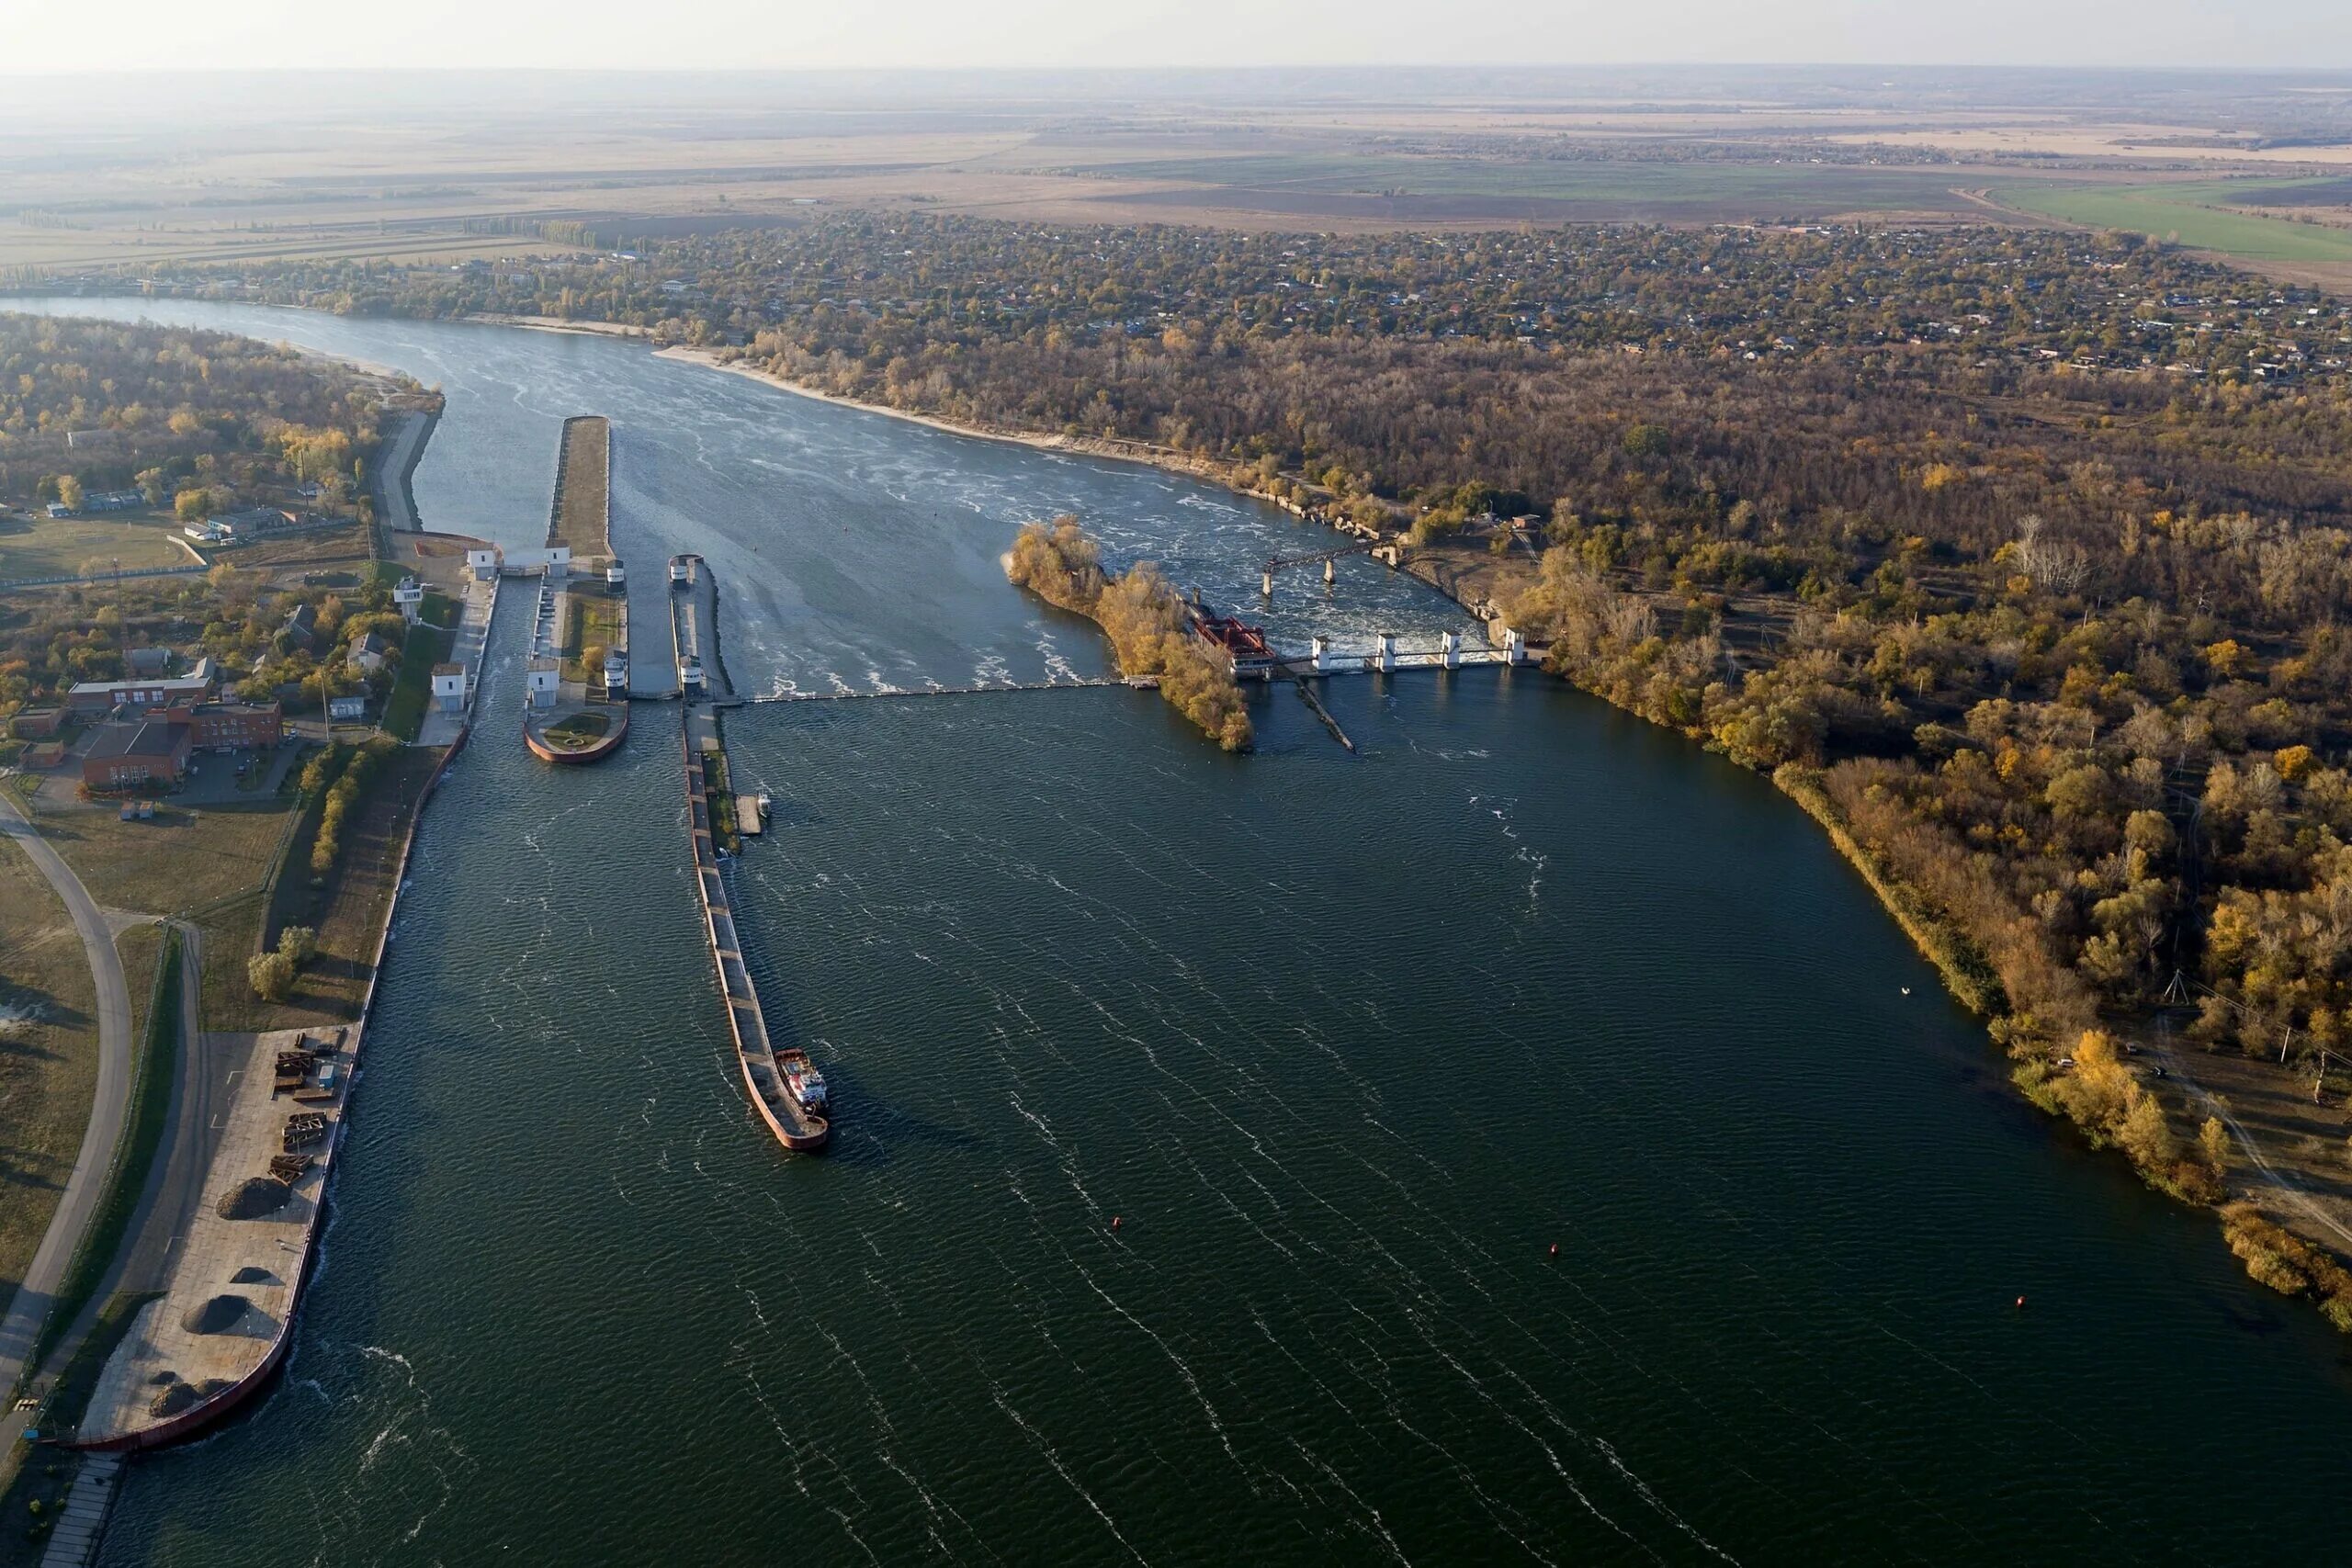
(785, 1085)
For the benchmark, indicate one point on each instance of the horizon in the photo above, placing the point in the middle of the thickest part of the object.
(150, 38)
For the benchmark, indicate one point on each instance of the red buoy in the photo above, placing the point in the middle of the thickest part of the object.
(2020, 1303)
(1556, 1250)
(1115, 1225)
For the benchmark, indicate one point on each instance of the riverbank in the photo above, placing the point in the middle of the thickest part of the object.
(555, 324)
(2265, 1166)
(1116, 451)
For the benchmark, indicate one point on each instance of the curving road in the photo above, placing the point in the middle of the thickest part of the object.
(87, 1184)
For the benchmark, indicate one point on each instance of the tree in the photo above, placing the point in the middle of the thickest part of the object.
(300, 944)
(272, 975)
(192, 505)
(69, 493)
(2213, 1144)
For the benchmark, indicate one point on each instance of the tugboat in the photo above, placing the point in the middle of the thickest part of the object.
(802, 1081)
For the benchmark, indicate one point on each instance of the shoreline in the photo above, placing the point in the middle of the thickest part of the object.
(1162, 457)
(1892, 894)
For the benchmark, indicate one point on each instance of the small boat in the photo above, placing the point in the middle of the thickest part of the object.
(766, 805)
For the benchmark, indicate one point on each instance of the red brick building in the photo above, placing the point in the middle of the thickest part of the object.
(132, 752)
(230, 727)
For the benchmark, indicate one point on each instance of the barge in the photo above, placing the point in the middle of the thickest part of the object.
(784, 1085)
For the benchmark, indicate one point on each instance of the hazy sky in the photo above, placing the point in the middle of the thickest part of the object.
(57, 35)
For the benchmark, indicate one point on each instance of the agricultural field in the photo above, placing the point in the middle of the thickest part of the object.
(1456, 188)
(49, 1055)
(2198, 214)
(34, 546)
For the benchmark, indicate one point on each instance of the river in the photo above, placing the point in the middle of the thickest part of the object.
(1206, 1124)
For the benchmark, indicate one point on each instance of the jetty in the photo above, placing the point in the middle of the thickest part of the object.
(575, 706)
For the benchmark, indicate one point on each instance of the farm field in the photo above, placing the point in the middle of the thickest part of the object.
(2191, 214)
(1567, 188)
(37, 545)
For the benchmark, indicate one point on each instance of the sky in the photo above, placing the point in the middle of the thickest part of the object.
(54, 36)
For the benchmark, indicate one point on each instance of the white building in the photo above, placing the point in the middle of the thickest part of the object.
(449, 688)
(483, 565)
(410, 597)
(542, 679)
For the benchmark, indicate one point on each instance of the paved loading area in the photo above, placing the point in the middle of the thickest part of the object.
(474, 632)
(75, 1541)
(229, 1285)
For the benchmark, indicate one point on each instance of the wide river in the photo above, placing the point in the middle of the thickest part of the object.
(1345, 1045)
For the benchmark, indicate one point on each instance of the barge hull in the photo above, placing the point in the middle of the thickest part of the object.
(794, 1128)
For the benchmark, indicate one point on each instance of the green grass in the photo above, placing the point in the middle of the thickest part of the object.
(427, 644)
(41, 545)
(2191, 214)
(151, 1108)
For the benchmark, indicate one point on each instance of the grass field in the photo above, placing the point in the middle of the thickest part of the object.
(346, 911)
(427, 644)
(180, 860)
(41, 545)
(580, 506)
(595, 620)
(48, 1057)
(2189, 214)
(314, 547)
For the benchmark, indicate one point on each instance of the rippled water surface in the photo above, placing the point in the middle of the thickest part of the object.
(1343, 1044)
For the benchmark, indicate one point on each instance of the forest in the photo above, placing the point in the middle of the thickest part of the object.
(91, 405)
(2020, 556)
(1141, 613)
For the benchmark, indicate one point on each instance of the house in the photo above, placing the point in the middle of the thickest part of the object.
(92, 697)
(128, 753)
(302, 627)
(346, 707)
(37, 724)
(482, 565)
(449, 688)
(149, 662)
(542, 679)
(43, 755)
(369, 653)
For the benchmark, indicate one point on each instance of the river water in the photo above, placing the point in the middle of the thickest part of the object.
(1345, 1046)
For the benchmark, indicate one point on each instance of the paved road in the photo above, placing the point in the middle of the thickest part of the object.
(392, 502)
(85, 1186)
